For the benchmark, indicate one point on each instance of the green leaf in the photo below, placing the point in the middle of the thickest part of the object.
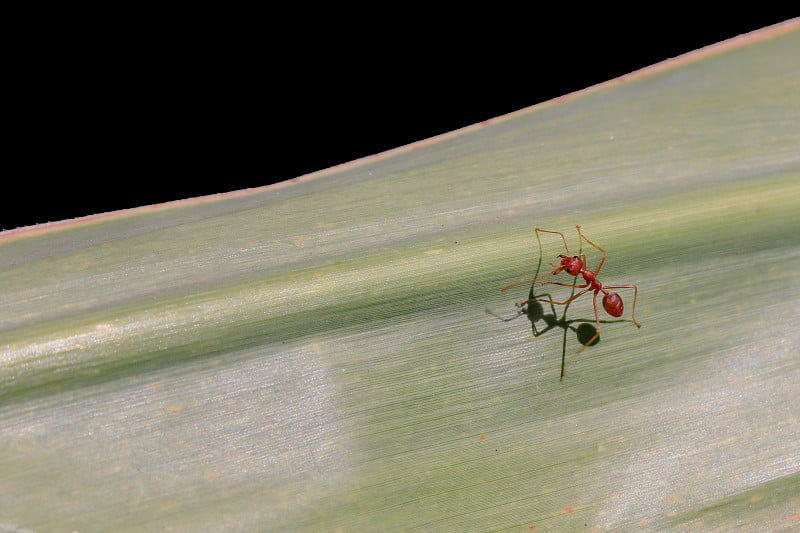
(317, 356)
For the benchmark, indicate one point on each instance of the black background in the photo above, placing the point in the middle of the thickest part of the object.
(119, 118)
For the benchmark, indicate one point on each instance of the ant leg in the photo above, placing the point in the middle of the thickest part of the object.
(581, 293)
(563, 239)
(552, 308)
(589, 342)
(535, 309)
(532, 281)
(565, 284)
(564, 313)
(517, 284)
(603, 260)
(539, 265)
(635, 293)
(531, 296)
(535, 312)
(520, 312)
(597, 323)
(564, 357)
(537, 278)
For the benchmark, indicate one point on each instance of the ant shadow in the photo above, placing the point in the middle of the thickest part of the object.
(583, 328)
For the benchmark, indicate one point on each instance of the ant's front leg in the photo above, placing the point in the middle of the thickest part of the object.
(563, 239)
(602, 261)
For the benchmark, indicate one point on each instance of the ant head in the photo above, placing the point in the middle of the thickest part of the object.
(572, 265)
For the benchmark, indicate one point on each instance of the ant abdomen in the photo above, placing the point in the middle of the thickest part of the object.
(612, 303)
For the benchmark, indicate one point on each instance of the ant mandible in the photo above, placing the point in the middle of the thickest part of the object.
(576, 265)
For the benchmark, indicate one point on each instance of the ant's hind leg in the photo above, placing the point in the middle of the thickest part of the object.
(635, 294)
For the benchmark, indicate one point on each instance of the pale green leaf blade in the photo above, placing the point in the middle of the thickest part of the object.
(318, 357)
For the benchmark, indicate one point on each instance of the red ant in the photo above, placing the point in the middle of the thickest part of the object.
(575, 265)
